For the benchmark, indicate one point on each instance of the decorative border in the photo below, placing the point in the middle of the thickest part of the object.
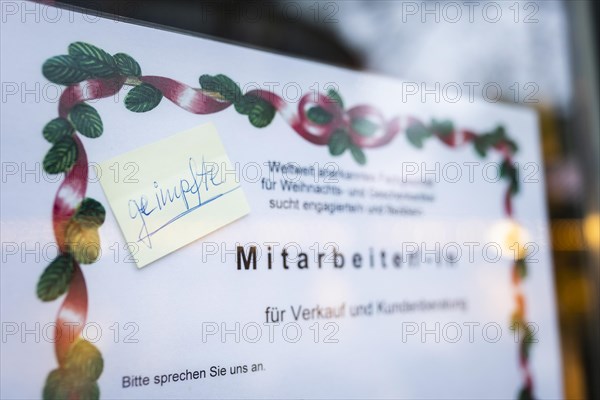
(90, 73)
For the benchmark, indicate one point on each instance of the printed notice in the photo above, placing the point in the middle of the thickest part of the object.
(184, 190)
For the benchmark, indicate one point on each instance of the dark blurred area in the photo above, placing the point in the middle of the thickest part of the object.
(269, 25)
(555, 48)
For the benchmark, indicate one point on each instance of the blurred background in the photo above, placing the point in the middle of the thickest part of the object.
(541, 54)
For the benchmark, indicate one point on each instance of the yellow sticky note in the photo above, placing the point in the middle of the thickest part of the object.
(181, 189)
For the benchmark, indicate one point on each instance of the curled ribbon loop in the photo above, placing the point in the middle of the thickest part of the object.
(387, 130)
(311, 131)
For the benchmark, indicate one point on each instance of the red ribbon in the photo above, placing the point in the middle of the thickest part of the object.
(73, 312)
(188, 98)
(72, 315)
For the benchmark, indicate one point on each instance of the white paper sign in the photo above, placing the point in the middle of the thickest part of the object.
(394, 249)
